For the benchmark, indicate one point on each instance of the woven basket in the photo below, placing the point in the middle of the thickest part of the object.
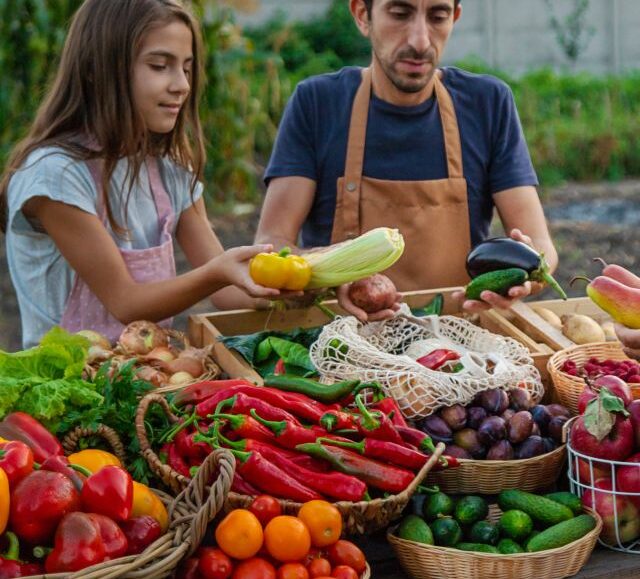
(359, 518)
(492, 476)
(570, 387)
(72, 438)
(422, 561)
(190, 513)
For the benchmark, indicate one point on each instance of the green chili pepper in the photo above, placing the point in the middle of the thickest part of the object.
(322, 392)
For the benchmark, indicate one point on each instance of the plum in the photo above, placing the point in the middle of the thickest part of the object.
(501, 450)
(520, 399)
(532, 446)
(558, 410)
(541, 416)
(455, 416)
(467, 438)
(436, 428)
(456, 451)
(520, 426)
(549, 444)
(491, 430)
(555, 426)
(475, 416)
(494, 401)
(507, 414)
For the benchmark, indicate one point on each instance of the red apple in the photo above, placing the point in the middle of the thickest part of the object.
(617, 387)
(600, 470)
(628, 479)
(610, 507)
(617, 445)
(634, 410)
(586, 396)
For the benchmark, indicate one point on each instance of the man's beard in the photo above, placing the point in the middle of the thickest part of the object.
(402, 83)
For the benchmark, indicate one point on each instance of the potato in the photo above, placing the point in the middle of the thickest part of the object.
(609, 331)
(374, 293)
(548, 316)
(582, 329)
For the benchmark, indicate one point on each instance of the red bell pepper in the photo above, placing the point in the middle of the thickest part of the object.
(78, 544)
(391, 452)
(140, 533)
(375, 424)
(38, 502)
(333, 484)
(16, 459)
(377, 474)
(10, 564)
(246, 426)
(437, 358)
(21, 426)
(270, 479)
(75, 473)
(109, 492)
(113, 538)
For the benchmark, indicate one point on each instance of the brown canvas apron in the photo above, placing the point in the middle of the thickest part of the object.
(432, 216)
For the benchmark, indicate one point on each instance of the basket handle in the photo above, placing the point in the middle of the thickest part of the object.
(424, 471)
(207, 500)
(73, 437)
(566, 427)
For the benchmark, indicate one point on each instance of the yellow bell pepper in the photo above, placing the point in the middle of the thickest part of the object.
(146, 502)
(3, 439)
(280, 270)
(4, 500)
(93, 459)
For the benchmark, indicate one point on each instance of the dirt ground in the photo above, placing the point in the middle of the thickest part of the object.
(617, 240)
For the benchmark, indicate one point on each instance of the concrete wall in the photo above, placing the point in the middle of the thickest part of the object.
(515, 35)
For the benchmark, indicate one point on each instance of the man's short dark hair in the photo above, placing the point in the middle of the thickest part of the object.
(369, 3)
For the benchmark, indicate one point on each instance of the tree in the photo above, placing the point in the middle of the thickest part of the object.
(572, 33)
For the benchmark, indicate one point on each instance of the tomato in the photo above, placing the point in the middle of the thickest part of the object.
(344, 572)
(255, 568)
(287, 538)
(265, 507)
(214, 564)
(323, 520)
(314, 553)
(346, 553)
(239, 534)
(319, 568)
(293, 571)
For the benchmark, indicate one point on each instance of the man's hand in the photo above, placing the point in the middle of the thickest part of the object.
(345, 302)
(493, 300)
(630, 340)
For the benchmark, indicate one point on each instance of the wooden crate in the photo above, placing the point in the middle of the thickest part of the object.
(205, 329)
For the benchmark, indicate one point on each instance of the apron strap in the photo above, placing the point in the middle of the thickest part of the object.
(450, 130)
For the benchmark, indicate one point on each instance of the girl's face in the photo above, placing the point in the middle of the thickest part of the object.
(162, 75)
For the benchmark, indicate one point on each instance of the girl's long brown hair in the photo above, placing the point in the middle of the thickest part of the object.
(91, 94)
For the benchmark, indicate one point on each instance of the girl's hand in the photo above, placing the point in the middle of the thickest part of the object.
(342, 293)
(630, 340)
(493, 300)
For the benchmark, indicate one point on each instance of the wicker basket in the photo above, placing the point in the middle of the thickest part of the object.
(492, 476)
(422, 561)
(569, 388)
(359, 518)
(190, 513)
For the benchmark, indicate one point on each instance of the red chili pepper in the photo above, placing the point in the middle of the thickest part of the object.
(75, 473)
(38, 502)
(375, 425)
(241, 486)
(390, 407)
(16, 460)
(270, 479)
(196, 393)
(446, 461)
(279, 368)
(337, 485)
(175, 459)
(337, 420)
(113, 538)
(391, 452)
(109, 492)
(78, 544)
(21, 426)
(376, 474)
(189, 448)
(438, 358)
(416, 438)
(140, 533)
(243, 404)
(246, 426)
(10, 564)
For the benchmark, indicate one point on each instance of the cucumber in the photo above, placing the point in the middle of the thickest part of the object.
(484, 532)
(539, 508)
(415, 528)
(568, 500)
(562, 534)
(446, 532)
(478, 547)
(471, 509)
(499, 281)
(437, 505)
(509, 547)
(515, 524)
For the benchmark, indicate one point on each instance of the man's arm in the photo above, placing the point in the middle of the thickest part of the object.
(286, 206)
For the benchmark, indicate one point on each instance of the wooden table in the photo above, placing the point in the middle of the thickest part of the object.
(604, 563)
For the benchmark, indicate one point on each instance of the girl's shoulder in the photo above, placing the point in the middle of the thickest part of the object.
(51, 164)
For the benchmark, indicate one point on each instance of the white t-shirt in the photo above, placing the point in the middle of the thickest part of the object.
(41, 276)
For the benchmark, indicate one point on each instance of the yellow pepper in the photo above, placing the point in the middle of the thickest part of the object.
(146, 502)
(4, 500)
(280, 270)
(93, 459)
(3, 439)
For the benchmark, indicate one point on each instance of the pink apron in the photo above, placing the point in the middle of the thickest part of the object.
(84, 311)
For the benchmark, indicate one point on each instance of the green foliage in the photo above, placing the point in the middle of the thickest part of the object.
(573, 34)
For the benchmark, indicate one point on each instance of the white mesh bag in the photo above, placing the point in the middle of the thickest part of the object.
(386, 352)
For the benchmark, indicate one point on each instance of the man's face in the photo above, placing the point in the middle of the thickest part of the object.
(408, 38)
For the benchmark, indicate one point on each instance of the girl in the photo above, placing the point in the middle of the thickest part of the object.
(109, 173)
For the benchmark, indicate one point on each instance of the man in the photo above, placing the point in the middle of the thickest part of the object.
(404, 144)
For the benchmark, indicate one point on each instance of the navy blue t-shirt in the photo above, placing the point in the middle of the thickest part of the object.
(402, 143)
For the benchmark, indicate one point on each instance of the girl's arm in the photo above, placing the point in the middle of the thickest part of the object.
(89, 249)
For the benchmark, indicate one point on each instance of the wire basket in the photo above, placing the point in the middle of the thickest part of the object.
(570, 387)
(597, 481)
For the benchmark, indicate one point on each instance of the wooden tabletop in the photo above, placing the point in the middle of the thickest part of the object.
(604, 563)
